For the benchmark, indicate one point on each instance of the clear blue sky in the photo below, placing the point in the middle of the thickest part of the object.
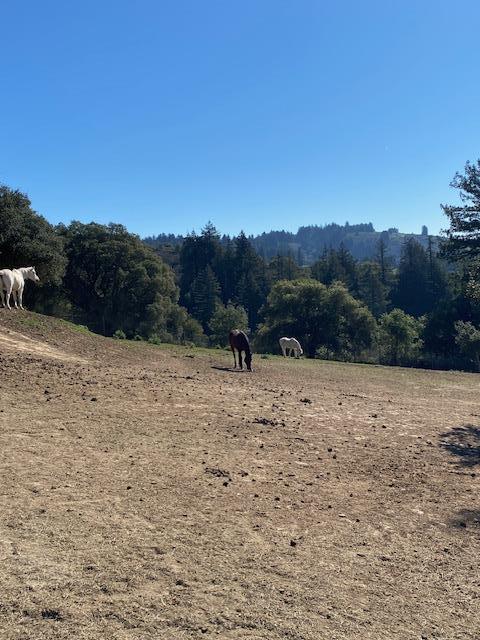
(257, 114)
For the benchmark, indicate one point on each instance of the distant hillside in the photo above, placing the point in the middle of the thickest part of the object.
(308, 243)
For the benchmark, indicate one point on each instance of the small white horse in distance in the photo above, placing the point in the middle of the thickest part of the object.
(288, 345)
(13, 281)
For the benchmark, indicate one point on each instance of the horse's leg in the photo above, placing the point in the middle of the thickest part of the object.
(234, 358)
(283, 351)
(240, 359)
(15, 298)
(2, 296)
(20, 297)
(9, 291)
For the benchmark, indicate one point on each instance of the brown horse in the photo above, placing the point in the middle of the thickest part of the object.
(239, 341)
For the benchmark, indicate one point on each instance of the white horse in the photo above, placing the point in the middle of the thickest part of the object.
(289, 345)
(13, 281)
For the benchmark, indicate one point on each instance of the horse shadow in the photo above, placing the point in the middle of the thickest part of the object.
(466, 519)
(229, 369)
(463, 442)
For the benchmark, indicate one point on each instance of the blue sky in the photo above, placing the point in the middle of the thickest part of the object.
(257, 114)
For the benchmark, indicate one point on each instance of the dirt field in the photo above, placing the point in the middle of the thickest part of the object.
(154, 493)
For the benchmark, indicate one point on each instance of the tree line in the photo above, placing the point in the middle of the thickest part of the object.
(413, 314)
(423, 311)
(309, 242)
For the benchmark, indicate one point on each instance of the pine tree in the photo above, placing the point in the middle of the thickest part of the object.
(225, 271)
(251, 285)
(385, 263)
(204, 296)
(463, 237)
(198, 252)
(336, 266)
(283, 268)
(422, 280)
(371, 288)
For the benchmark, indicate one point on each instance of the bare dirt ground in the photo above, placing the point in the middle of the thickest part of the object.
(153, 493)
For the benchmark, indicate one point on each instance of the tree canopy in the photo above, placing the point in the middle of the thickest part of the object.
(420, 310)
(27, 239)
(463, 236)
(116, 282)
(317, 315)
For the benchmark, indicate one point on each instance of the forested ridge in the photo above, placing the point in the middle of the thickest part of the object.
(422, 309)
(310, 242)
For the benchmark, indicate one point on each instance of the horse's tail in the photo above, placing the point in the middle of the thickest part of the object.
(3, 285)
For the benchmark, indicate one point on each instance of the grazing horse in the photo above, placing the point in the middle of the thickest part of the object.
(13, 281)
(289, 345)
(239, 341)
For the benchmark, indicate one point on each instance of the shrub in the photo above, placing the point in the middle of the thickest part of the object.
(224, 320)
(399, 338)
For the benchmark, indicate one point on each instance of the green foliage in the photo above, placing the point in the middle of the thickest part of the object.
(251, 285)
(385, 262)
(119, 335)
(224, 320)
(117, 283)
(309, 243)
(318, 316)
(468, 340)
(189, 331)
(422, 280)
(439, 334)
(168, 322)
(472, 288)
(399, 338)
(372, 292)
(283, 268)
(79, 328)
(108, 279)
(463, 236)
(204, 296)
(336, 266)
(213, 273)
(196, 254)
(27, 239)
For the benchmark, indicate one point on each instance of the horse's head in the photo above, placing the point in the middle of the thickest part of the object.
(31, 274)
(248, 360)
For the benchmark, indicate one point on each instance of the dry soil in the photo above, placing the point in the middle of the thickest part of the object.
(154, 493)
